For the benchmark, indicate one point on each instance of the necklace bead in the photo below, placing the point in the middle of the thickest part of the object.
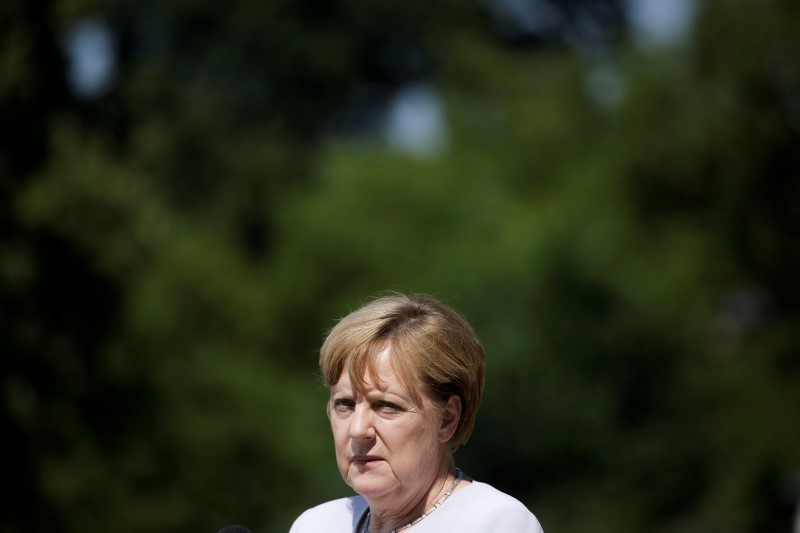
(456, 481)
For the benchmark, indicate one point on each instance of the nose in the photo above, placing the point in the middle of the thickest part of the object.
(361, 423)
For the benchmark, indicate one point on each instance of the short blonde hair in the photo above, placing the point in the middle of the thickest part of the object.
(431, 345)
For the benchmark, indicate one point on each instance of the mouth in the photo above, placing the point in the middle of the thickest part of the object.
(365, 459)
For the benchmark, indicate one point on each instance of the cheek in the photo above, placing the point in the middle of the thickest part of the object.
(339, 431)
(341, 444)
(415, 437)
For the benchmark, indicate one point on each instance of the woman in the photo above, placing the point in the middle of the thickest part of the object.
(405, 375)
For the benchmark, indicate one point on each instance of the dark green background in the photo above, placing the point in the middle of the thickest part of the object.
(173, 251)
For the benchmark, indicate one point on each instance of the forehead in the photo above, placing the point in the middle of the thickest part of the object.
(381, 375)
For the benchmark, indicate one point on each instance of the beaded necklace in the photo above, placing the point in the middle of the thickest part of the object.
(459, 476)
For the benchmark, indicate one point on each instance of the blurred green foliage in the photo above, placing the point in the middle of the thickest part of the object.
(174, 250)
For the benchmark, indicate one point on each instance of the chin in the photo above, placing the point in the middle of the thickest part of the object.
(370, 485)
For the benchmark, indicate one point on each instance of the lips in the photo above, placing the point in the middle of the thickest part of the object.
(364, 459)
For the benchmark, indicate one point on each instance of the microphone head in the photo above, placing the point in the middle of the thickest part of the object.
(234, 529)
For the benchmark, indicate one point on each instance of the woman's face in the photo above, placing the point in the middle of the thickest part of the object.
(389, 441)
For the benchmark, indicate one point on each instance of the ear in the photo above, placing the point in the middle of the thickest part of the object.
(451, 416)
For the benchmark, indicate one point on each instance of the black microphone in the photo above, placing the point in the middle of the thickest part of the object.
(234, 529)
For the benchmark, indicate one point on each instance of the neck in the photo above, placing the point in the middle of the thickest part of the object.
(388, 516)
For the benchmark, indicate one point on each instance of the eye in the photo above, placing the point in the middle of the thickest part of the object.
(388, 408)
(343, 405)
